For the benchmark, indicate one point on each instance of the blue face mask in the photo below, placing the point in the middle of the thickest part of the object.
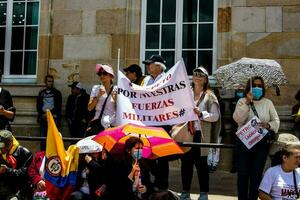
(257, 93)
(137, 154)
(239, 95)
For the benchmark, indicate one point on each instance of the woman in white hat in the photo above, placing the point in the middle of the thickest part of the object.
(102, 98)
(206, 129)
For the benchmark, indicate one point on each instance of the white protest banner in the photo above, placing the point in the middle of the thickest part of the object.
(166, 102)
(251, 133)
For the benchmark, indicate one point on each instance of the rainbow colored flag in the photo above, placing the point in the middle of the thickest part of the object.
(61, 165)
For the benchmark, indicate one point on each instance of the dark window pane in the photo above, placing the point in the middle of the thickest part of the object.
(1, 62)
(169, 11)
(206, 10)
(190, 11)
(16, 63)
(168, 37)
(17, 38)
(18, 13)
(205, 36)
(189, 36)
(205, 59)
(152, 37)
(32, 13)
(2, 38)
(153, 11)
(31, 38)
(189, 58)
(169, 57)
(2, 13)
(30, 63)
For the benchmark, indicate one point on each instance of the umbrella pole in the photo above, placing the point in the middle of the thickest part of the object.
(139, 147)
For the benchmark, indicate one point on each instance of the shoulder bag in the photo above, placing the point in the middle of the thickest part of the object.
(94, 127)
(271, 135)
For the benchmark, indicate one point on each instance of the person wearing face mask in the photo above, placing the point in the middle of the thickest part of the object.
(125, 173)
(250, 162)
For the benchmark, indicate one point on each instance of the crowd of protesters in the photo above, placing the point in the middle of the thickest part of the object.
(104, 176)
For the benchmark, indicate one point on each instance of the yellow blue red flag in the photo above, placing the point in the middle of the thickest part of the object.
(61, 165)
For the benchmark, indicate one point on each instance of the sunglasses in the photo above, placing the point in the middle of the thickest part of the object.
(199, 74)
(104, 73)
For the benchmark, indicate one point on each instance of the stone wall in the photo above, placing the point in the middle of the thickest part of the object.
(263, 29)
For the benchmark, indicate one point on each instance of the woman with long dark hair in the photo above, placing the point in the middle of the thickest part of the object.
(206, 129)
(282, 181)
(251, 162)
(125, 178)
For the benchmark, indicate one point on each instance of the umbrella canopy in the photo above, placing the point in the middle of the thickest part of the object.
(87, 145)
(237, 73)
(157, 142)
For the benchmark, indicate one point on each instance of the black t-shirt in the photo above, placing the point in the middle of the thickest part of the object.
(7, 103)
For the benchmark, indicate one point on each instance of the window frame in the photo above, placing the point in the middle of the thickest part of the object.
(178, 33)
(19, 78)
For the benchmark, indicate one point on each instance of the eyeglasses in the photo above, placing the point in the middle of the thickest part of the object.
(104, 73)
(199, 74)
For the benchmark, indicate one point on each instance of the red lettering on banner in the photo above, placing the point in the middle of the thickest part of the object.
(256, 138)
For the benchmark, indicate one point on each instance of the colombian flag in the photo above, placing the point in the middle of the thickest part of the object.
(61, 166)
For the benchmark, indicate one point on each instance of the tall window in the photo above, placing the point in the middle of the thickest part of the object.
(180, 28)
(19, 22)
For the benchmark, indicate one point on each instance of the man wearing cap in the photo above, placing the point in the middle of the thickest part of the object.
(48, 98)
(159, 168)
(134, 74)
(14, 161)
(77, 114)
(155, 66)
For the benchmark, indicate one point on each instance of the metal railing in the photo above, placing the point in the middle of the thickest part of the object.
(184, 144)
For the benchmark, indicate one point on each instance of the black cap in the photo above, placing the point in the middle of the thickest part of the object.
(76, 84)
(154, 58)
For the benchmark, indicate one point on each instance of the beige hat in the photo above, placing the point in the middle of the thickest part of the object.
(283, 140)
(106, 68)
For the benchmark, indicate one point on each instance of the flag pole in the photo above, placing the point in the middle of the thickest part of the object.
(119, 50)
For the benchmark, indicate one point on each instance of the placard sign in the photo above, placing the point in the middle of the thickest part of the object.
(251, 133)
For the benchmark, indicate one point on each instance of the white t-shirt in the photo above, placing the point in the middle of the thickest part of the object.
(279, 184)
(108, 117)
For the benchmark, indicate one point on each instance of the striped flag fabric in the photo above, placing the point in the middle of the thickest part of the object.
(61, 165)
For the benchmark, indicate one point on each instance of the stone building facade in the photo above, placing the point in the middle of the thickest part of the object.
(74, 35)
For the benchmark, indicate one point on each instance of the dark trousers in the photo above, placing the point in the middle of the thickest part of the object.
(188, 160)
(250, 165)
(159, 168)
(44, 130)
(77, 129)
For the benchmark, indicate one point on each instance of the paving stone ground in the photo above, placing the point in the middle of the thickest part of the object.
(222, 184)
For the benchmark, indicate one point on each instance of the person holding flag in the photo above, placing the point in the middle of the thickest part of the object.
(61, 166)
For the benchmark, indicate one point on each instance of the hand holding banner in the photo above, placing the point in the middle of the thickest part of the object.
(166, 102)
